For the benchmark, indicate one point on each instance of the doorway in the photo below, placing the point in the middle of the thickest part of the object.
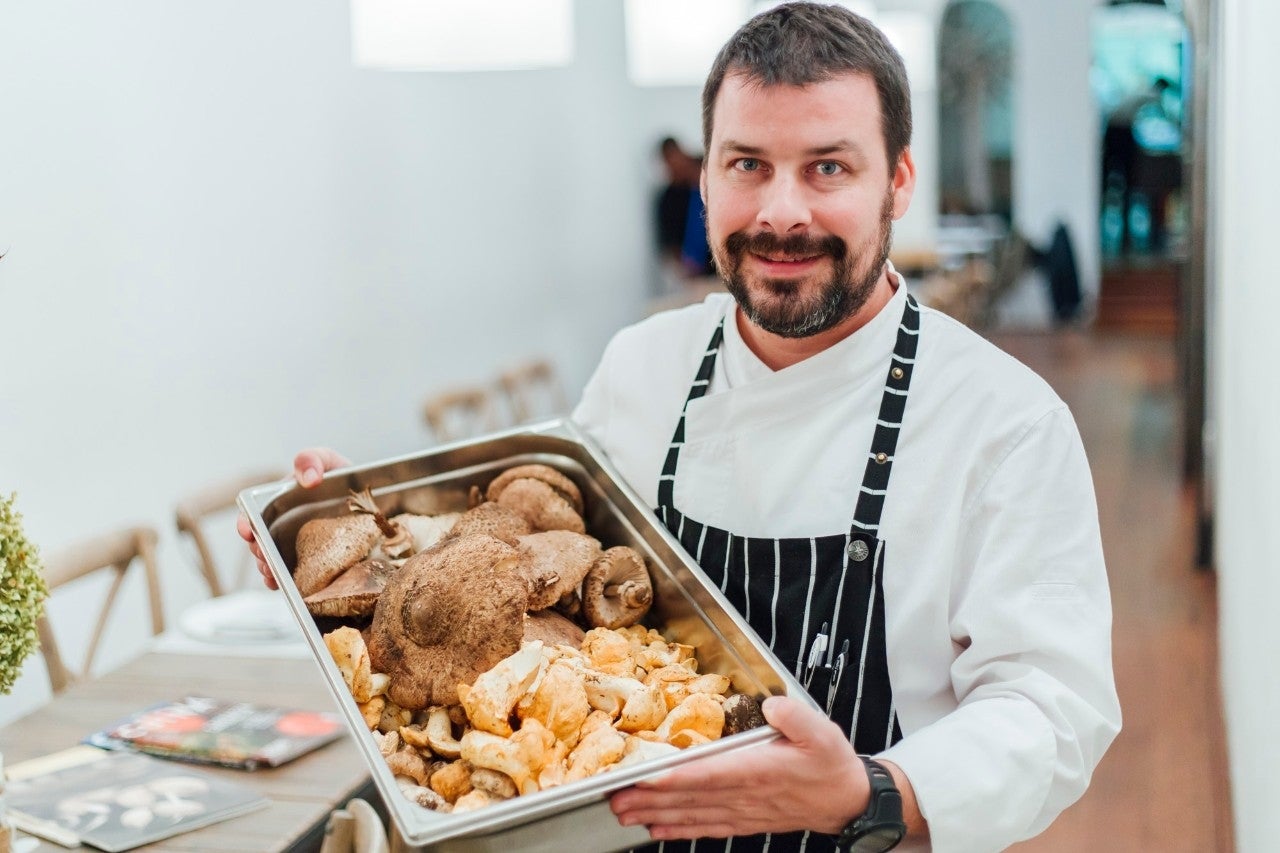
(1140, 81)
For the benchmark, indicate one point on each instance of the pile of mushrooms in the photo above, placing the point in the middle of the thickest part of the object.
(497, 651)
(544, 716)
(345, 563)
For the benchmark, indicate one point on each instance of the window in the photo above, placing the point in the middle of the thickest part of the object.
(479, 35)
(674, 42)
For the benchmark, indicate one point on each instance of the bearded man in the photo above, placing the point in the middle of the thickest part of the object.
(951, 622)
(966, 687)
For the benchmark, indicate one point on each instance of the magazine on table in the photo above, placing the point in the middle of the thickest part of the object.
(214, 731)
(119, 800)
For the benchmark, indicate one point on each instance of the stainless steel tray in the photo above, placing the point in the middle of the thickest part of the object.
(687, 607)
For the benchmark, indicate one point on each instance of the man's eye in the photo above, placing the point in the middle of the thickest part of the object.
(828, 168)
(748, 164)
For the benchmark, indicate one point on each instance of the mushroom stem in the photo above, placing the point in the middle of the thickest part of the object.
(364, 502)
(632, 594)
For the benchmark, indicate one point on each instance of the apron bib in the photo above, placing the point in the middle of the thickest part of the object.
(818, 602)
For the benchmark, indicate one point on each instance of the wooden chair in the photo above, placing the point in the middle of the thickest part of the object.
(116, 551)
(355, 829)
(217, 499)
(461, 413)
(533, 391)
(1012, 258)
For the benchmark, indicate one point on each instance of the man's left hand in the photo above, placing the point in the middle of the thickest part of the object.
(810, 778)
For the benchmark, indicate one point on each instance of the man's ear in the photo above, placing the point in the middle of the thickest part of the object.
(904, 183)
(702, 183)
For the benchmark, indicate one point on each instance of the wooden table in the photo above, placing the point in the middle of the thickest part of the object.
(302, 792)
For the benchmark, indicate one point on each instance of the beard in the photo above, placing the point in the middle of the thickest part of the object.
(781, 306)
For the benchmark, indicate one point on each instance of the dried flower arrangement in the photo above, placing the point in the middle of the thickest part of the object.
(22, 594)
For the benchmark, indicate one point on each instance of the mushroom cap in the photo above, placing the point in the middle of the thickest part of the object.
(617, 591)
(494, 520)
(329, 546)
(555, 562)
(542, 505)
(552, 629)
(553, 478)
(352, 593)
(448, 615)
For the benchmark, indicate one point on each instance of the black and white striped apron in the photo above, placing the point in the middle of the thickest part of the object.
(818, 602)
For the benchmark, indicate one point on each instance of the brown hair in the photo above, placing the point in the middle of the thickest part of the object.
(796, 44)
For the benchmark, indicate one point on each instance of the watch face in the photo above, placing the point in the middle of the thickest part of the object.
(877, 840)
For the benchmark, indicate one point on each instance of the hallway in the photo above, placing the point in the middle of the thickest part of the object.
(1163, 784)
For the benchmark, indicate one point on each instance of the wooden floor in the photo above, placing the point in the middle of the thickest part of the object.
(1163, 784)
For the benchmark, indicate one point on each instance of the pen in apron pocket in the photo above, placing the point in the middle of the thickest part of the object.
(837, 670)
(816, 653)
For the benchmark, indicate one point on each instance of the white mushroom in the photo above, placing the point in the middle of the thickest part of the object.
(439, 732)
(617, 591)
(645, 709)
(609, 693)
(491, 699)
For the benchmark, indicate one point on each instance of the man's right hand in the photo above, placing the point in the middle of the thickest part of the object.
(309, 467)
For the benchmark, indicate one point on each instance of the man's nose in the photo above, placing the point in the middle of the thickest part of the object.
(784, 207)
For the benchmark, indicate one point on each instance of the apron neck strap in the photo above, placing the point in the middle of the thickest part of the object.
(701, 382)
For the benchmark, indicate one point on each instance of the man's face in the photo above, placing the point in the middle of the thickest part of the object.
(800, 199)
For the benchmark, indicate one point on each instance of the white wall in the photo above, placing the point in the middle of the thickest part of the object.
(1246, 407)
(225, 244)
(1056, 140)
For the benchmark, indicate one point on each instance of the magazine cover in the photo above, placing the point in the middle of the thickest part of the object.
(121, 800)
(213, 731)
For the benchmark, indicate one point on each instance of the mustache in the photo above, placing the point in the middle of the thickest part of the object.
(765, 242)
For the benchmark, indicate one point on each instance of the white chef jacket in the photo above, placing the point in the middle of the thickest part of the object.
(997, 611)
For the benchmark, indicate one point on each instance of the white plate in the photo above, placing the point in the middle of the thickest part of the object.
(247, 616)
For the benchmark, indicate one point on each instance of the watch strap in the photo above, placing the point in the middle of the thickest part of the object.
(880, 827)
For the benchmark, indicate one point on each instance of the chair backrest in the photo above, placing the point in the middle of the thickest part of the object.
(461, 413)
(116, 551)
(1013, 256)
(217, 499)
(533, 391)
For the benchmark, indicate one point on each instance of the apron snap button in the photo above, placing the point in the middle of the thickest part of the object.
(858, 550)
(882, 458)
(896, 373)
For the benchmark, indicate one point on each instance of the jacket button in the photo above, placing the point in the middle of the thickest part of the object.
(858, 550)
(882, 458)
(896, 373)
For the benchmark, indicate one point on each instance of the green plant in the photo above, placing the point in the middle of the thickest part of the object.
(22, 594)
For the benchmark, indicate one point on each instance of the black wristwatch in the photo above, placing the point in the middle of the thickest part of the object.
(880, 827)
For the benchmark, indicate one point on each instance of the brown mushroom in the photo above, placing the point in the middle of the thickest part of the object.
(562, 485)
(352, 593)
(408, 764)
(555, 562)
(570, 604)
(542, 505)
(617, 591)
(397, 539)
(327, 547)
(448, 615)
(741, 713)
(494, 520)
(552, 629)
